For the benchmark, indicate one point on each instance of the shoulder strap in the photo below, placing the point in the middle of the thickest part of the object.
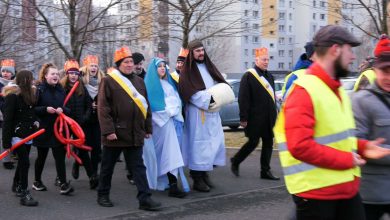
(380, 97)
(266, 85)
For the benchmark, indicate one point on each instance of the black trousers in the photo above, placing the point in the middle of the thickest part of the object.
(375, 212)
(250, 145)
(93, 139)
(21, 172)
(309, 209)
(135, 162)
(84, 157)
(59, 157)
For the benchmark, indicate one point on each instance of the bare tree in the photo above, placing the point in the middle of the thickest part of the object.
(191, 14)
(369, 16)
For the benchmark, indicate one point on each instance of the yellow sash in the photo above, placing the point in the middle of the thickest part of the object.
(175, 77)
(122, 84)
(266, 86)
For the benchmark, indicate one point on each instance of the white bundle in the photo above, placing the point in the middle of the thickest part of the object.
(222, 94)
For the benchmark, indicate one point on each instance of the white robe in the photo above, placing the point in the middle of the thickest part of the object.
(203, 139)
(165, 138)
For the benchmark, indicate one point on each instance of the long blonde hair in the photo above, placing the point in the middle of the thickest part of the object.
(86, 72)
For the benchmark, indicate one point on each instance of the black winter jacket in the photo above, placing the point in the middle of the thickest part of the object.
(80, 106)
(54, 96)
(19, 117)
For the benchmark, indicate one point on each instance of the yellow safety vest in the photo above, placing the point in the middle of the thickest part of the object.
(369, 74)
(334, 127)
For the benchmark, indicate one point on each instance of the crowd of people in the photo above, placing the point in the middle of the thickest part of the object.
(334, 153)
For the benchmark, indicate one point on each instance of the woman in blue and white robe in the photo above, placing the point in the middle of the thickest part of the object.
(167, 121)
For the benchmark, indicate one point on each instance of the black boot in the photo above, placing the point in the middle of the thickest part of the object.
(19, 192)
(207, 180)
(268, 175)
(174, 191)
(93, 181)
(75, 170)
(149, 204)
(234, 167)
(199, 184)
(104, 200)
(27, 199)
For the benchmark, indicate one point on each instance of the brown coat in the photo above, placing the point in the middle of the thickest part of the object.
(119, 114)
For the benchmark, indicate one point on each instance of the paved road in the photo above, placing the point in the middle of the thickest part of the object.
(247, 197)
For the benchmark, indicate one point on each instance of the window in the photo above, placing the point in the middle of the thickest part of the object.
(256, 26)
(198, 28)
(253, 52)
(290, 28)
(271, 6)
(322, 4)
(246, 25)
(290, 66)
(322, 16)
(290, 53)
(290, 16)
(271, 19)
(281, 53)
(281, 15)
(255, 1)
(271, 45)
(314, 28)
(281, 28)
(246, 65)
(255, 14)
(271, 32)
(281, 40)
(314, 3)
(314, 16)
(281, 3)
(281, 65)
(246, 52)
(290, 40)
(290, 4)
(271, 57)
(246, 12)
(246, 39)
(255, 39)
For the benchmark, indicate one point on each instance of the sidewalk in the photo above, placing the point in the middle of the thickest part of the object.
(82, 204)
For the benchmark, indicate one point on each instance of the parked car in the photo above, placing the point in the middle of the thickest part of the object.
(348, 84)
(230, 114)
(279, 83)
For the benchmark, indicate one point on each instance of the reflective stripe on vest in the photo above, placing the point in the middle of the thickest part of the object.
(334, 128)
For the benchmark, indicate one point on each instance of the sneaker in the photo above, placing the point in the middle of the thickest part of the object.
(19, 192)
(57, 181)
(38, 186)
(66, 188)
(93, 182)
(8, 165)
(27, 199)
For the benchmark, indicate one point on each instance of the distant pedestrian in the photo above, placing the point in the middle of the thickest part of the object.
(257, 104)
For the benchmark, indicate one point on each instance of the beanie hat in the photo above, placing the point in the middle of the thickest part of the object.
(138, 57)
(8, 65)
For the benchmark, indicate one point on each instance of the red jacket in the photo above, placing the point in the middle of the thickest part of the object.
(299, 126)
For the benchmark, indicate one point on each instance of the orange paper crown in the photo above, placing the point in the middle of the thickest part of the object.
(121, 53)
(90, 59)
(71, 64)
(8, 62)
(183, 52)
(262, 51)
